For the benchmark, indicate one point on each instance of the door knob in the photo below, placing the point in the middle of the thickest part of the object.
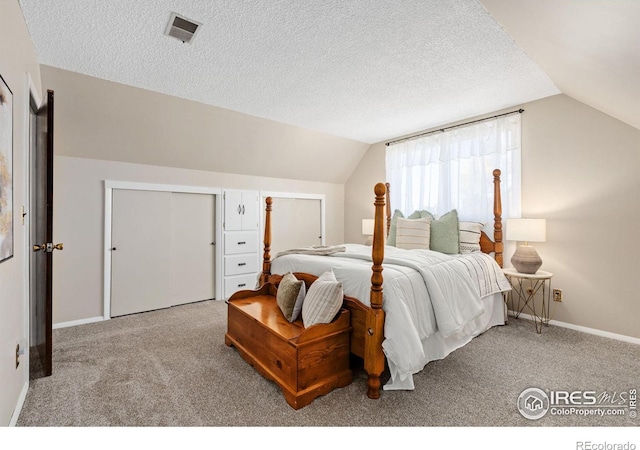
(48, 247)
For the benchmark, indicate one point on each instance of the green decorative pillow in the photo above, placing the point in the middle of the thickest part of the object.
(393, 229)
(426, 215)
(291, 292)
(323, 301)
(445, 233)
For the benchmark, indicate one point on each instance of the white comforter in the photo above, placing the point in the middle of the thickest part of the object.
(427, 296)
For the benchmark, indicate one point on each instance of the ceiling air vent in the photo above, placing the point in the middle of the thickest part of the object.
(182, 28)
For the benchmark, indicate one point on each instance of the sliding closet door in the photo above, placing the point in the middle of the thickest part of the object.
(297, 223)
(192, 247)
(140, 259)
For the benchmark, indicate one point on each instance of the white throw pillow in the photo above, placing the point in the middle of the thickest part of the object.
(323, 300)
(413, 233)
(470, 236)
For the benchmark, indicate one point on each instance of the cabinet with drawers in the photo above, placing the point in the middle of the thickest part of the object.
(241, 243)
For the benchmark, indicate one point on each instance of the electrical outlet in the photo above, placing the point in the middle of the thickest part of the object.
(557, 295)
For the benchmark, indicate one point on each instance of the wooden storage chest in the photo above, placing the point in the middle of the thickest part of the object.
(305, 362)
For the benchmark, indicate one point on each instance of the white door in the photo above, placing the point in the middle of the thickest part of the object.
(298, 222)
(192, 247)
(140, 256)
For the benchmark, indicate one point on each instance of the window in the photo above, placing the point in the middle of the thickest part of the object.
(452, 169)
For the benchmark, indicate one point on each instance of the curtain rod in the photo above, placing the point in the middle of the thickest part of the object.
(441, 130)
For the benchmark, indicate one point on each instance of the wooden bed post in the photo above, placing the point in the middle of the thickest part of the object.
(497, 215)
(388, 186)
(373, 354)
(266, 257)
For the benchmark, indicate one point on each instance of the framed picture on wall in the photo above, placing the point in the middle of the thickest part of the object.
(6, 171)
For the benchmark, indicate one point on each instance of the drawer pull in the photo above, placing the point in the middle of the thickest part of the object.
(242, 264)
(242, 285)
(242, 243)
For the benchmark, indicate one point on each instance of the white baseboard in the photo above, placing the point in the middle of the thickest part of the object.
(18, 409)
(607, 334)
(73, 323)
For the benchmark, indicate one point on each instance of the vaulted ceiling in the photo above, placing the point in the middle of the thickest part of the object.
(364, 70)
(590, 49)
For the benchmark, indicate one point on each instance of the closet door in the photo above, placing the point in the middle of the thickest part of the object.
(192, 247)
(298, 223)
(140, 255)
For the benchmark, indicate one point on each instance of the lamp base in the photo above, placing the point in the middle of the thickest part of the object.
(526, 259)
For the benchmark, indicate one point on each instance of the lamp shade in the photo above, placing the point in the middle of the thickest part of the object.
(527, 230)
(367, 227)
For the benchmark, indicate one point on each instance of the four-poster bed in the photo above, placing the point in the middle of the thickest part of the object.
(368, 318)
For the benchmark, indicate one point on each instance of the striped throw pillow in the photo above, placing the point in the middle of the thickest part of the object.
(412, 234)
(323, 300)
(470, 236)
(391, 239)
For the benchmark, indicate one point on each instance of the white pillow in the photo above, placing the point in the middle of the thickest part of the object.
(323, 300)
(470, 236)
(413, 233)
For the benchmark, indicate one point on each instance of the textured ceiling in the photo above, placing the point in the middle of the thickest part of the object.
(364, 70)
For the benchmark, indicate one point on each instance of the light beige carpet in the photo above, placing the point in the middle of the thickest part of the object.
(172, 368)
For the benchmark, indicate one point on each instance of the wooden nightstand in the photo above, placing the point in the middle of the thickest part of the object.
(525, 286)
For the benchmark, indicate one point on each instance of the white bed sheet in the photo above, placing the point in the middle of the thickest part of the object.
(412, 337)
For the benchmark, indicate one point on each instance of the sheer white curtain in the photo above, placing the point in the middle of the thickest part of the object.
(453, 170)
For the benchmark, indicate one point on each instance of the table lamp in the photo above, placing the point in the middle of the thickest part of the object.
(526, 258)
(367, 230)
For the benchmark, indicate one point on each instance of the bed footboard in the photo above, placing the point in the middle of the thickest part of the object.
(367, 321)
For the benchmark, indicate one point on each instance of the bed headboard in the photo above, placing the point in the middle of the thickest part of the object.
(487, 245)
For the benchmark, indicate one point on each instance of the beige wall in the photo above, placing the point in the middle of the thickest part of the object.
(108, 131)
(579, 171)
(104, 120)
(79, 219)
(17, 59)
